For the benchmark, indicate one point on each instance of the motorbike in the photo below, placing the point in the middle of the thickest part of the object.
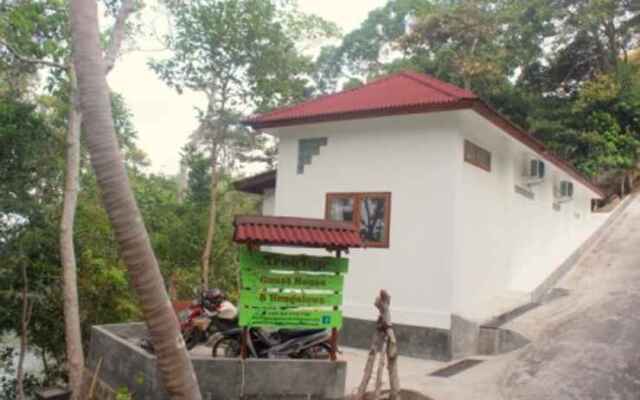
(283, 343)
(196, 327)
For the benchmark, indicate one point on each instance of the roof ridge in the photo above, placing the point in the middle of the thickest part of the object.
(445, 88)
(317, 98)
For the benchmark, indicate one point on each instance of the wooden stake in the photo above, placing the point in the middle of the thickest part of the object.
(381, 361)
(94, 380)
(334, 331)
(392, 365)
(385, 344)
(368, 368)
(334, 344)
(243, 344)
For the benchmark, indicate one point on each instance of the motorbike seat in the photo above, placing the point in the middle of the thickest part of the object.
(287, 334)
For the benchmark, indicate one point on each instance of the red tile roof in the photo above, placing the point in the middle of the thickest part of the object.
(405, 93)
(402, 93)
(289, 231)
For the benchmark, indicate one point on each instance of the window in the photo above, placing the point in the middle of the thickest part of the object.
(369, 210)
(476, 155)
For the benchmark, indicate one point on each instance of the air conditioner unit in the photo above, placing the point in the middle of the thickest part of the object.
(564, 191)
(535, 171)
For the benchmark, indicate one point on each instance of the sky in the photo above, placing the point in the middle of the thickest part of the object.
(165, 119)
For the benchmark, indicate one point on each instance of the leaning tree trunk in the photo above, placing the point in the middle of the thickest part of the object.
(73, 335)
(131, 235)
(211, 230)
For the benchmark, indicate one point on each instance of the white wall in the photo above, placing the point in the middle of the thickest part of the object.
(409, 156)
(507, 243)
(269, 202)
(460, 236)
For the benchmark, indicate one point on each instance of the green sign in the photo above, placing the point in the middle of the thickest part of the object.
(287, 318)
(256, 280)
(262, 260)
(265, 299)
(293, 291)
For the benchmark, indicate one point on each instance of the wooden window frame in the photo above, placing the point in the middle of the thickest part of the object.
(357, 201)
(473, 161)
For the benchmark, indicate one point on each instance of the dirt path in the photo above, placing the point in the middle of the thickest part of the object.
(586, 345)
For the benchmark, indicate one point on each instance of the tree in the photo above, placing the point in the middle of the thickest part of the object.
(457, 35)
(593, 37)
(130, 232)
(242, 55)
(367, 50)
(602, 134)
(37, 33)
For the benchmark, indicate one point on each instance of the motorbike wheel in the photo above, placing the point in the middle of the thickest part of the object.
(190, 341)
(226, 347)
(321, 351)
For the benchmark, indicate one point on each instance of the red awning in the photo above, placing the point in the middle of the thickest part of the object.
(301, 232)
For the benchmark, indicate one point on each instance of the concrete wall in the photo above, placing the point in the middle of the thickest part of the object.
(409, 156)
(126, 365)
(507, 243)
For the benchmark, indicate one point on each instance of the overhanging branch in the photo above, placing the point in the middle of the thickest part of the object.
(31, 60)
(117, 35)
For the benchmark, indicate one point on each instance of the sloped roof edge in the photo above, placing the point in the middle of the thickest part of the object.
(445, 97)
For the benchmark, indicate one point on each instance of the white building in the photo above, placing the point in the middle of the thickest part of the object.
(464, 213)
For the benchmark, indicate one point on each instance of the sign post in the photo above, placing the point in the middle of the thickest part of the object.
(293, 291)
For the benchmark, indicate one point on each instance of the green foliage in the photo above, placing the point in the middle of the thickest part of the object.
(35, 29)
(122, 393)
(28, 147)
(31, 383)
(199, 176)
(242, 52)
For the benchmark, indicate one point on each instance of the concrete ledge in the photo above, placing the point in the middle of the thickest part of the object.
(413, 341)
(126, 365)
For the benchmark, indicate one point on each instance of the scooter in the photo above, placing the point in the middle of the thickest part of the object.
(283, 343)
(196, 327)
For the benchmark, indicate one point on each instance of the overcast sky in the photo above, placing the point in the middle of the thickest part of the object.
(165, 119)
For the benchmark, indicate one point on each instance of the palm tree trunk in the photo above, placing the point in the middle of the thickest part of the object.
(131, 235)
(73, 334)
(211, 230)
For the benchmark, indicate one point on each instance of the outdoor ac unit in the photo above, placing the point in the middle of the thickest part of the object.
(535, 171)
(564, 191)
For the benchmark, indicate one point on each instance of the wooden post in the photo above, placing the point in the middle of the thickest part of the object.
(251, 246)
(243, 344)
(334, 331)
(384, 344)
